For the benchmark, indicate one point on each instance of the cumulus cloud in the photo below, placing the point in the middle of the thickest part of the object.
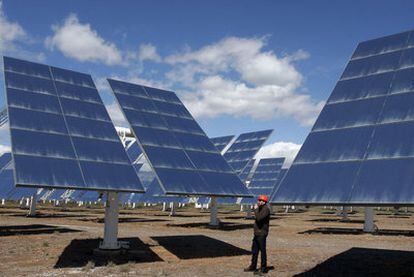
(10, 32)
(262, 84)
(288, 150)
(79, 41)
(148, 52)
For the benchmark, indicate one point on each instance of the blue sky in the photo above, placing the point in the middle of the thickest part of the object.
(238, 66)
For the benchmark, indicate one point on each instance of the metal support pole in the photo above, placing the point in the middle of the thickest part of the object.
(3, 202)
(213, 212)
(32, 210)
(110, 241)
(369, 226)
(173, 207)
(242, 208)
(164, 206)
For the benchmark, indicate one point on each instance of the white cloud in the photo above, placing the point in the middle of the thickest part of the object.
(10, 32)
(288, 150)
(79, 41)
(235, 76)
(148, 52)
(4, 138)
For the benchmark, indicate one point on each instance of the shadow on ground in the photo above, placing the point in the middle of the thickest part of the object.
(126, 220)
(224, 226)
(198, 246)
(349, 220)
(33, 229)
(365, 262)
(358, 231)
(80, 252)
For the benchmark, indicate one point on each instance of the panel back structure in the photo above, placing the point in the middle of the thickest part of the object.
(245, 148)
(183, 158)
(61, 133)
(221, 142)
(360, 150)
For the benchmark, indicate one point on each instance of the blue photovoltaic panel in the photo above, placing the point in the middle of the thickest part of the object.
(247, 171)
(155, 194)
(256, 192)
(266, 173)
(221, 142)
(133, 151)
(181, 155)
(245, 148)
(5, 159)
(61, 133)
(360, 150)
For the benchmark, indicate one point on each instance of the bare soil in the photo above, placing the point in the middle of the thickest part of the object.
(61, 242)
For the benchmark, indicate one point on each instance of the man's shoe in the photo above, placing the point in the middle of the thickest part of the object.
(261, 272)
(250, 269)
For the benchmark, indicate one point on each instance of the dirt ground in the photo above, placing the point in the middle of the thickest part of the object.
(314, 242)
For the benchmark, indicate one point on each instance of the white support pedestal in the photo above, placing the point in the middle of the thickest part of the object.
(3, 202)
(164, 206)
(32, 209)
(110, 241)
(173, 207)
(344, 213)
(242, 208)
(369, 226)
(214, 221)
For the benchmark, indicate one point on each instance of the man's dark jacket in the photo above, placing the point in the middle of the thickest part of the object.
(261, 223)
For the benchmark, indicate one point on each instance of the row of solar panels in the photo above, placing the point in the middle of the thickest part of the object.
(62, 137)
(263, 180)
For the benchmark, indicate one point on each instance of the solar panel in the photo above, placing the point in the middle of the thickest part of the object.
(360, 150)
(61, 133)
(181, 155)
(245, 148)
(221, 142)
(133, 151)
(5, 158)
(155, 194)
(266, 173)
(244, 175)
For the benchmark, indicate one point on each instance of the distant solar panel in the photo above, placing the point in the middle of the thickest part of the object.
(183, 158)
(221, 142)
(360, 150)
(244, 175)
(245, 148)
(133, 151)
(61, 133)
(155, 194)
(5, 158)
(266, 173)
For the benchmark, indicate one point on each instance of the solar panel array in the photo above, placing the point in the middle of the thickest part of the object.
(61, 133)
(181, 155)
(264, 179)
(221, 142)
(361, 149)
(245, 148)
(133, 151)
(266, 173)
(244, 175)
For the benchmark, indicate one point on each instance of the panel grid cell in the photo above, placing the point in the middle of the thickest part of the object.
(183, 158)
(61, 133)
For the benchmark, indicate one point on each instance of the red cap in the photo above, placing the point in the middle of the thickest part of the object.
(263, 198)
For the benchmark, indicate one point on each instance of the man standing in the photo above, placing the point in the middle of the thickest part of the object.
(261, 229)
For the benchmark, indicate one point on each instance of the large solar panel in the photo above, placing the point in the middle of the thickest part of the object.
(61, 133)
(221, 142)
(245, 148)
(360, 150)
(181, 155)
